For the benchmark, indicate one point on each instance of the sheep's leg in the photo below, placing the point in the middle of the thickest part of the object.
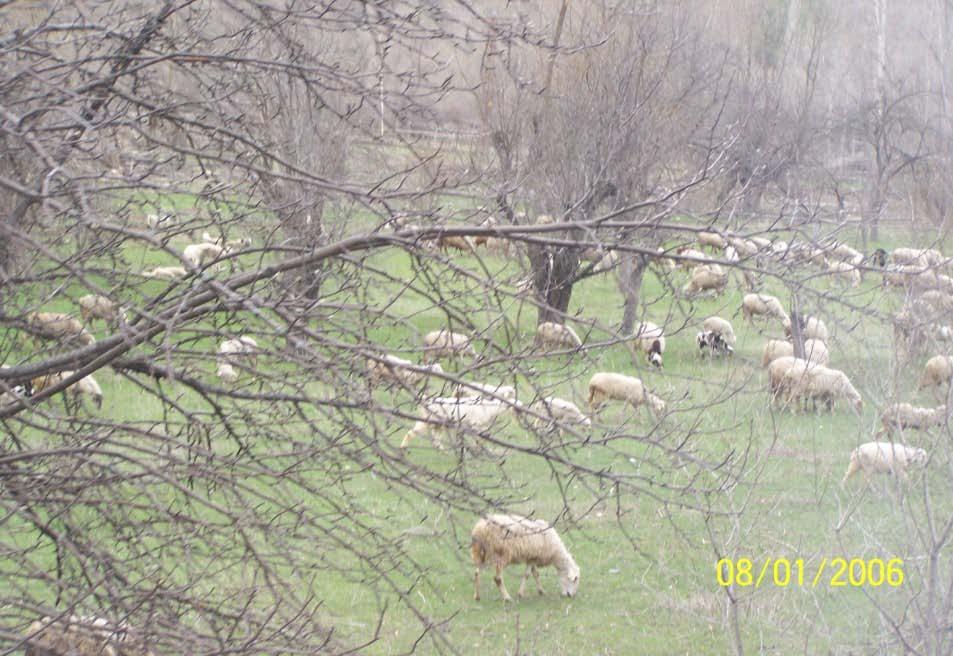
(476, 583)
(498, 579)
(520, 593)
(539, 586)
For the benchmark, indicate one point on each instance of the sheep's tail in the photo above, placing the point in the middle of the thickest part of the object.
(477, 551)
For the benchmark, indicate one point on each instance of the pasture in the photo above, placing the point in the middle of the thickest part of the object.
(768, 486)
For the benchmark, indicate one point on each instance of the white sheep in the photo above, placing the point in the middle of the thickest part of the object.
(774, 349)
(712, 239)
(811, 328)
(94, 306)
(241, 242)
(761, 305)
(82, 636)
(690, 254)
(60, 326)
(446, 344)
(441, 414)
(390, 368)
(763, 243)
(903, 416)
(155, 221)
(164, 273)
(909, 256)
(558, 411)
(705, 278)
(778, 370)
(820, 382)
(846, 272)
(230, 352)
(650, 339)
(551, 335)
(502, 540)
(470, 390)
(199, 254)
(84, 387)
(845, 253)
(722, 327)
(882, 458)
(937, 372)
(745, 247)
(604, 386)
(816, 351)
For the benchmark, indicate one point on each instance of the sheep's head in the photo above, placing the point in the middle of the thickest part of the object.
(920, 457)
(569, 579)
(655, 354)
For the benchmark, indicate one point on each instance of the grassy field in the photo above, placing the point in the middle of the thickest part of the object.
(648, 582)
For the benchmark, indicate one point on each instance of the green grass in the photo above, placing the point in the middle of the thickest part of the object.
(658, 593)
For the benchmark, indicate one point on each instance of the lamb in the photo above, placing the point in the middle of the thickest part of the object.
(938, 371)
(473, 391)
(477, 414)
(555, 336)
(811, 328)
(705, 278)
(722, 327)
(505, 539)
(560, 411)
(230, 351)
(390, 368)
(82, 636)
(761, 305)
(903, 416)
(882, 458)
(604, 386)
(199, 254)
(774, 349)
(820, 382)
(846, 272)
(164, 273)
(57, 325)
(712, 239)
(84, 387)
(94, 306)
(712, 343)
(446, 344)
(650, 340)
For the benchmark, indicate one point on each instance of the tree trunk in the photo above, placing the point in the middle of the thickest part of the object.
(631, 270)
(554, 269)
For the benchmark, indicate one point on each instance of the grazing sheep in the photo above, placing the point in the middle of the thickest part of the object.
(446, 344)
(199, 254)
(663, 263)
(230, 352)
(461, 243)
(57, 325)
(846, 272)
(93, 306)
(937, 299)
(165, 273)
(878, 258)
(745, 247)
(398, 370)
(545, 219)
(473, 391)
(763, 243)
(938, 371)
(903, 416)
(560, 411)
(816, 351)
(712, 239)
(761, 305)
(713, 343)
(778, 370)
(811, 328)
(845, 253)
(705, 278)
(84, 387)
(444, 413)
(552, 336)
(909, 256)
(774, 349)
(820, 382)
(82, 636)
(650, 340)
(690, 254)
(510, 539)
(604, 386)
(722, 327)
(882, 458)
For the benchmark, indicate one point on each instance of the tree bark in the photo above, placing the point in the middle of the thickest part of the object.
(631, 271)
(554, 269)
